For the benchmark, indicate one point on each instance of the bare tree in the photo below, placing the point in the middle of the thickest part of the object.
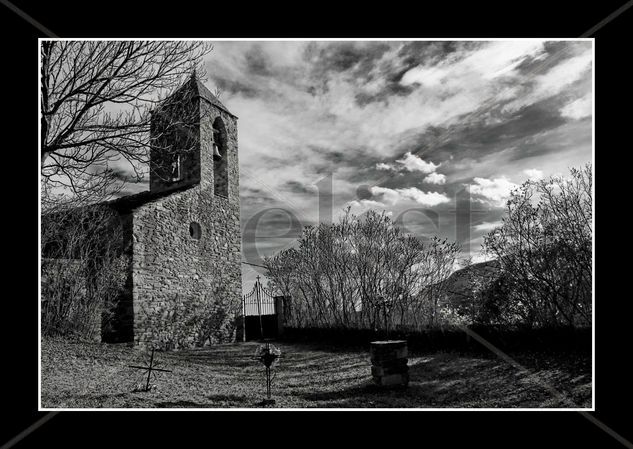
(360, 272)
(96, 98)
(544, 249)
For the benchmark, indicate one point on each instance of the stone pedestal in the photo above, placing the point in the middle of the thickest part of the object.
(389, 363)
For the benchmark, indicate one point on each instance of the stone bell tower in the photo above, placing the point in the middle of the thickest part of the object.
(194, 140)
(186, 234)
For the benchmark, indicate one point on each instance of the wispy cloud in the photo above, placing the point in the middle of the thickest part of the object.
(383, 166)
(578, 109)
(491, 61)
(487, 226)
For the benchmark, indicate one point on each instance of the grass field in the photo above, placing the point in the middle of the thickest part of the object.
(82, 375)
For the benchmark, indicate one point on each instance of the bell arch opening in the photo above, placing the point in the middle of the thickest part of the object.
(220, 163)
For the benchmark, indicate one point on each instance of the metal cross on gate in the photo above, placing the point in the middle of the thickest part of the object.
(149, 368)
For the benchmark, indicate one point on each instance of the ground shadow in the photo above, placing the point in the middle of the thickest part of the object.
(181, 404)
(446, 380)
(227, 398)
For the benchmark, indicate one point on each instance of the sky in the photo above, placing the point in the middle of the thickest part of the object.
(405, 127)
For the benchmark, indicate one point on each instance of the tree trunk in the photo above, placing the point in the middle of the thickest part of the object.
(46, 53)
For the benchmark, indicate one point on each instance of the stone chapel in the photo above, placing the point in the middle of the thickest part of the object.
(183, 235)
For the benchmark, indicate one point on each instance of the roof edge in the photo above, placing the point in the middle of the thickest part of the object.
(221, 107)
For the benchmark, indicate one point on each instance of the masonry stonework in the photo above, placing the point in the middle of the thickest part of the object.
(185, 272)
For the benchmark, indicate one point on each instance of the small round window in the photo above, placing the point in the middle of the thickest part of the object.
(195, 231)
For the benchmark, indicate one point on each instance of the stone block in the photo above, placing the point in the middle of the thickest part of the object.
(392, 380)
(387, 345)
(385, 371)
(388, 350)
(396, 354)
(389, 363)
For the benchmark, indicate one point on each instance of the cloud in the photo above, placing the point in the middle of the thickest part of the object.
(481, 257)
(411, 162)
(435, 178)
(564, 74)
(394, 196)
(494, 191)
(557, 79)
(492, 60)
(425, 198)
(428, 76)
(534, 174)
(578, 109)
(487, 226)
(360, 206)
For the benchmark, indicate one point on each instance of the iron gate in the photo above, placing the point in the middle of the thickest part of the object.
(260, 317)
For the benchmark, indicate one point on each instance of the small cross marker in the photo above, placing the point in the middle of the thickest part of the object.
(149, 368)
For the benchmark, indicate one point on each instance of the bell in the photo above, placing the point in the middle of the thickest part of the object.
(216, 153)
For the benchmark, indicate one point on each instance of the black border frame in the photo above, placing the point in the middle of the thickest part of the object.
(536, 18)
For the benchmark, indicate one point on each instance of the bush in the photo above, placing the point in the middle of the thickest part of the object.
(362, 272)
(83, 270)
(544, 249)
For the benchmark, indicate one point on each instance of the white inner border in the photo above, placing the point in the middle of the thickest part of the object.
(593, 274)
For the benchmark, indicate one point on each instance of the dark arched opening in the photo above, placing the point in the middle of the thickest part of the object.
(195, 230)
(220, 162)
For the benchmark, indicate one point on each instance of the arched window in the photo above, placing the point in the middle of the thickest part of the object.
(220, 163)
(175, 169)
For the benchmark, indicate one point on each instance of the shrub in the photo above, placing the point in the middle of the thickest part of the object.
(83, 270)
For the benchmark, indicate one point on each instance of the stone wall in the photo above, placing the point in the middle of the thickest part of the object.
(174, 274)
